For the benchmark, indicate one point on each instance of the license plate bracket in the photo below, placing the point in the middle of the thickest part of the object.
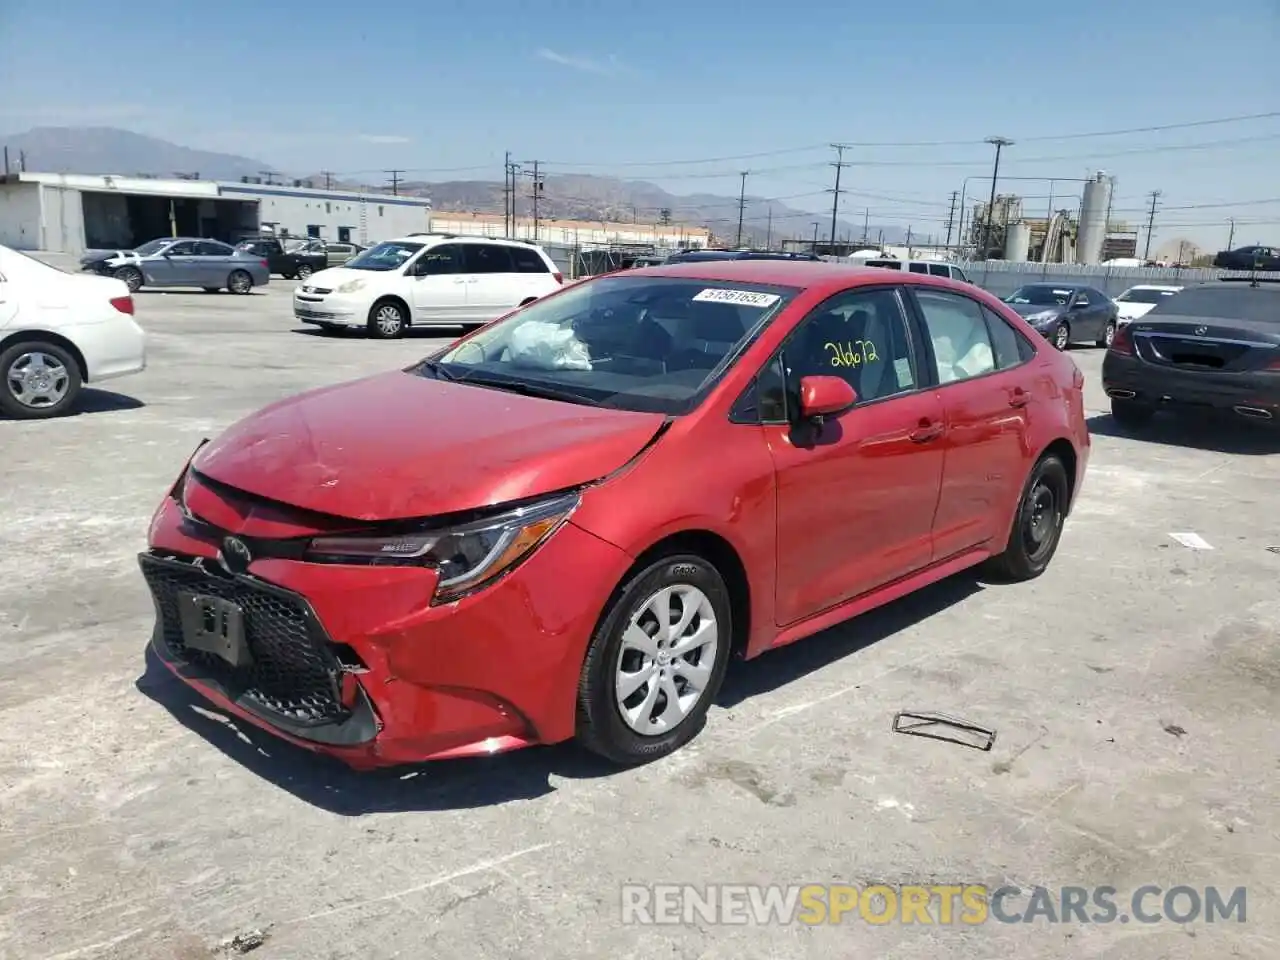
(214, 625)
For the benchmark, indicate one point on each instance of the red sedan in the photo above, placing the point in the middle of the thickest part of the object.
(568, 522)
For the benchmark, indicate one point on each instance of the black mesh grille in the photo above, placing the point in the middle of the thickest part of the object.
(293, 673)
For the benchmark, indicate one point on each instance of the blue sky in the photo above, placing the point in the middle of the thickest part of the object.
(444, 87)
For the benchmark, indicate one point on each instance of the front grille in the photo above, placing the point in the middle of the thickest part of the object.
(293, 674)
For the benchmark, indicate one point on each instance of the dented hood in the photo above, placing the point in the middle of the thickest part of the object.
(397, 445)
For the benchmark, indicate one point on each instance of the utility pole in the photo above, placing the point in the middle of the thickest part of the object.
(537, 194)
(866, 222)
(395, 180)
(742, 206)
(999, 143)
(1151, 222)
(835, 193)
(951, 215)
(506, 195)
(6, 163)
(1231, 237)
(768, 237)
(268, 177)
(908, 240)
(328, 179)
(22, 161)
(815, 236)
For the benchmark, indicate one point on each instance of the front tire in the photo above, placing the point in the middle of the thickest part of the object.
(240, 282)
(303, 272)
(387, 320)
(1062, 336)
(131, 276)
(1037, 525)
(1108, 334)
(41, 380)
(655, 662)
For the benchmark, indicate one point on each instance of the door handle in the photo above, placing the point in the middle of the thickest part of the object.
(1019, 397)
(926, 431)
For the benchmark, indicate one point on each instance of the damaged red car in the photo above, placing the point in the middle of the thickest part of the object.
(567, 523)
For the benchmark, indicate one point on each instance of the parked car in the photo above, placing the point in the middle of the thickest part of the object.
(933, 268)
(425, 280)
(181, 262)
(338, 252)
(703, 256)
(1214, 346)
(59, 331)
(1249, 258)
(299, 262)
(567, 522)
(1137, 301)
(1067, 313)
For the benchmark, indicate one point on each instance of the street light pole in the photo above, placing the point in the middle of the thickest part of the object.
(999, 143)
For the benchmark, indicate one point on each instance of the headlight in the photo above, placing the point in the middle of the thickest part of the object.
(351, 286)
(467, 557)
(1044, 316)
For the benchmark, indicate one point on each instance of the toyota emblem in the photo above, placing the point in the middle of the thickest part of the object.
(1201, 331)
(235, 555)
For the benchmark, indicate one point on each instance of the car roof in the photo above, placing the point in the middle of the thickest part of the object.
(431, 238)
(1155, 286)
(801, 274)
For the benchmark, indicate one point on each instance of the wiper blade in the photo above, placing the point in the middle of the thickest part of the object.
(530, 390)
(437, 369)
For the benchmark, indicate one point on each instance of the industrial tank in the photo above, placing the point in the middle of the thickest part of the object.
(1093, 219)
(1017, 242)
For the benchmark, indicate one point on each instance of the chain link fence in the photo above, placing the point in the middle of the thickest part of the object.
(1003, 277)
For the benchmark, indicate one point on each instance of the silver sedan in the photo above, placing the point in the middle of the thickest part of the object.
(181, 262)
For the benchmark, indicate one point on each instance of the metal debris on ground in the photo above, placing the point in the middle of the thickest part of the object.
(1273, 549)
(1192, 540)
(243, 942)
(939, 726)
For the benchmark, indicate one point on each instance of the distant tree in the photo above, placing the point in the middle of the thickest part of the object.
(664, 216)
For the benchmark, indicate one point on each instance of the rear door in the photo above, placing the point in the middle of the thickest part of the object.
(855, 495)
(981, 366)
(493, 286)
(532, 273)
(211, 262)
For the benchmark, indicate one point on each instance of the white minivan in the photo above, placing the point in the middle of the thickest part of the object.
(934, 268)
(426, 280)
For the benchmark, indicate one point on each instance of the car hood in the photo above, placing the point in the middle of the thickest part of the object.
(1031, 309)
(398, 446)
(336, 276)
(94, 256)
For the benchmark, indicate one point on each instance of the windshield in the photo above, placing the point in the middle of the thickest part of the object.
(152, 247)
(1040, 296)
(632, 343)
(1228, 302)
(1140, 295)
(884, 264)
(384, 256)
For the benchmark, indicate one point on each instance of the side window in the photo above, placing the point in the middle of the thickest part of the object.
(958, 274)
(939, 270)
(184, 249)
(1011, 348)
(528, 261)
(438, 260)
(961, 344)
(1081, 299)
(209, 248)
(486, 258)
(918, 267)
(860, 336)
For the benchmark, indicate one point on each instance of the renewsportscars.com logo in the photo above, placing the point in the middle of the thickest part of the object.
(933, 904)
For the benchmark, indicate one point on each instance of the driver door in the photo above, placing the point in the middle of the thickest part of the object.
(856, 495)
(176, 267)
(1085, 316)
(438, 289)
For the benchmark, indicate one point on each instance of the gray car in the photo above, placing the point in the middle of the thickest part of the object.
(1066, 313)
(181, 262)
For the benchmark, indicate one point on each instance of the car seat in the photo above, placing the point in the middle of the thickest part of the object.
(709, 332)
(962, 348)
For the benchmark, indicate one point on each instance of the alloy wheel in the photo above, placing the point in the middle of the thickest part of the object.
(240, 282)
(1062, 337)
(304, 271)
(37, 380)
(666, 659)
(388, 319)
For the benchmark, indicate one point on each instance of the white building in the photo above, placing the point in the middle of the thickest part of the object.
(70, 213)
(572, 233)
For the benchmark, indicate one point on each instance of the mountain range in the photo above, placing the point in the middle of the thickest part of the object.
(99, 150)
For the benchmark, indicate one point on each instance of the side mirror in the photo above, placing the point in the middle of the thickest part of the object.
(825, 397)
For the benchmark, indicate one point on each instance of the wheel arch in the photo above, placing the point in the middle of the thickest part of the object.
(722, 555)
(47, 336)
(1065, 451)
(398, 301)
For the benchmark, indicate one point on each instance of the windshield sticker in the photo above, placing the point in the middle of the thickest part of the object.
(743, 298)
(1062, 293)
(852, 354)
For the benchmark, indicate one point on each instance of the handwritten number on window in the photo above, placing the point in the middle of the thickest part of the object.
(851, 354)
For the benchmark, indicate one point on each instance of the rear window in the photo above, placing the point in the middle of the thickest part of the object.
(1229, 301)
(528, 261)
(918, 267)
(1144, 296)
(886, 264)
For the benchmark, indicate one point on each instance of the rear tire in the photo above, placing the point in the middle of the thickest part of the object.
(388, 320)
(1062, 336)
(1108, 334)
(131, 276)
(38, 380)
(1131, 413)
(629, 720)
(1037, 525)
(240, 282)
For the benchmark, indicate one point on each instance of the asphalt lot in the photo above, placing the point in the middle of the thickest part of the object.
(1135, 689)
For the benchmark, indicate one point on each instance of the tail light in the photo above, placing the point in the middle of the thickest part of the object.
(123, 304)
(1273, 365)
(1122, 342)
(559, 276)
(264, 263)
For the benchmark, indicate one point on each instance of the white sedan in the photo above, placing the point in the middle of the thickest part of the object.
(59, 331)
(1137, 301)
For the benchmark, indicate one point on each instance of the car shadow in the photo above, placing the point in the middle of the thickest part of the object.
(414, 333)
(1208, 433)
(521, 775)
(95, 400)
(783, 666)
